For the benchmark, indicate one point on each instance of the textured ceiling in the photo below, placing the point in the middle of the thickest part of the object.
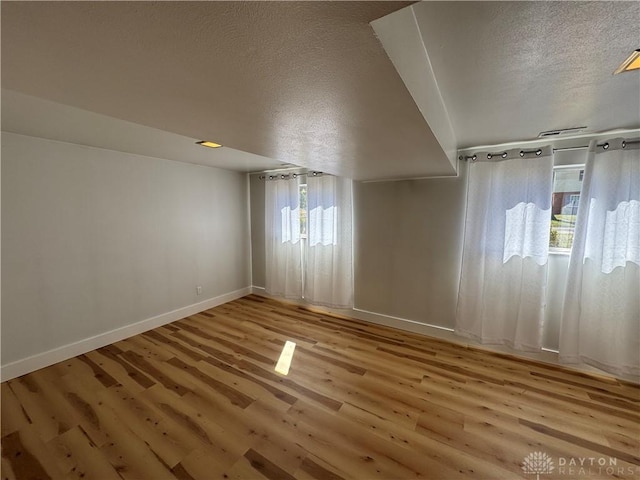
(510, 70)
(308, 83)
(301, 82)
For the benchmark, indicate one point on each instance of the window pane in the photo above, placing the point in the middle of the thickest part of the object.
(567, 184)
(303, 211)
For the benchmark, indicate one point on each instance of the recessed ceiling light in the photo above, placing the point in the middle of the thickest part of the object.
(206, 143)
(560, 131)
(631, 63)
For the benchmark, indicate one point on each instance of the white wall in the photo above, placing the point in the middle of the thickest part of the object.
(96, 240)
(408, 247)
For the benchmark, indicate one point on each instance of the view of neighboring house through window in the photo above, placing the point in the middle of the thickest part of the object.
(567, 184)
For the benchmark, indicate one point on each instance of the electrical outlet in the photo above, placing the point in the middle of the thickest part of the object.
(199, 290)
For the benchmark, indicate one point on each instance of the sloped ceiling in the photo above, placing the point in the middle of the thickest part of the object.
(306, 83)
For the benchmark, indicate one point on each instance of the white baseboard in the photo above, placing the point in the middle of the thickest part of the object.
(444, 333)
(303, 303)
(371, 317)
(50, 357)
(404, 324)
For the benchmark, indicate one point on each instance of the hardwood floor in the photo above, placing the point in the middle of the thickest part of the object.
(199, 399)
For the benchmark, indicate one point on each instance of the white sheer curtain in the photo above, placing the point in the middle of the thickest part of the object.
(282, 239)
(506, 244)
(329, 259)
(601, 314)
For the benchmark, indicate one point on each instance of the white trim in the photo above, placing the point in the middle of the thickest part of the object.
(303, 303)
(547, 355)
(367, 316)
(59, 354)
(435, 331)
(403, 179)
(398, 322)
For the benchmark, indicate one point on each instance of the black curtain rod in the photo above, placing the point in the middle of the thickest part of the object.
(287, 176)
(538, 151)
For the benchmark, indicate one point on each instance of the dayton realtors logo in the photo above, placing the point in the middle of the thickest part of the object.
(538, 463)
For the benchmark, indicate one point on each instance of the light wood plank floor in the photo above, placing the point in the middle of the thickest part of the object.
(199, 399)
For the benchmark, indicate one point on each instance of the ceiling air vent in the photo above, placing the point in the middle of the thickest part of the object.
(561, 131)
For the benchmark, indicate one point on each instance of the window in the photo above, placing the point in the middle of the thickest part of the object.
(303, 210)
(567, 184)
